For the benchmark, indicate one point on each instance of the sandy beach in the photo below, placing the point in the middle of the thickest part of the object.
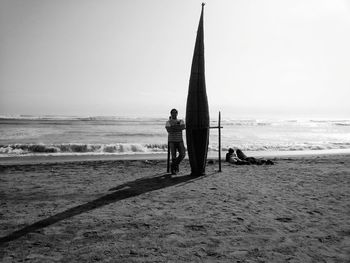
(297, 210)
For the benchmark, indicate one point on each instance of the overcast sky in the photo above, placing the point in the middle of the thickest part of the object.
(287, 58)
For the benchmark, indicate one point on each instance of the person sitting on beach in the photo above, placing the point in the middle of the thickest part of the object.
(231, 157)
(241, 158)
(175, 127)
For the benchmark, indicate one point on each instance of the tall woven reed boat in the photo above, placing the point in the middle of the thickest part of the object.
(197, 109)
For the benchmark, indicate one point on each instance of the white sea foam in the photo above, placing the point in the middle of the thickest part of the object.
(118, 148)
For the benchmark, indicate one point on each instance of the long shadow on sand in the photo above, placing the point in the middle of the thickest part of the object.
(124, 191)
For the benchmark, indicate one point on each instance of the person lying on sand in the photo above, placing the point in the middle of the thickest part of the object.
(240, 158)
(231, 157)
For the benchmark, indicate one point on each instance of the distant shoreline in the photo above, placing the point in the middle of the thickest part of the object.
(40, 159)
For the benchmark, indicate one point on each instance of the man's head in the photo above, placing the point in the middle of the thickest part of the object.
(231, 150)
(173, 113)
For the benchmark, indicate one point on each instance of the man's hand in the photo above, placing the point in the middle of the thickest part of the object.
(174, 122)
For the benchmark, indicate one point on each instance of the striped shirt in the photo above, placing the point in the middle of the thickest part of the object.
(175, 128)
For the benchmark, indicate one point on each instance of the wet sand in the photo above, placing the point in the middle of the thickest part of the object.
(297, 210)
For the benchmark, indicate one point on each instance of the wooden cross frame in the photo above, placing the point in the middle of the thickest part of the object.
(219, 127)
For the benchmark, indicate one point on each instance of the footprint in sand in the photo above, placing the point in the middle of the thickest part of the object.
(195, 227)
(284, 219)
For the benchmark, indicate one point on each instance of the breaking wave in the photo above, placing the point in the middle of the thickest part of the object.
(135, 148)
(75, 148)
(288, 147)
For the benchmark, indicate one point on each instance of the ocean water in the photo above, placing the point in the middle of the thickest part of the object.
(70, 135)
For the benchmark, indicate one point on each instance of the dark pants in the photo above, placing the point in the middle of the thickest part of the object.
(174, 148)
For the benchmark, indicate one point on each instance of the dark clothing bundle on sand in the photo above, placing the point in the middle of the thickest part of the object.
(241, 159)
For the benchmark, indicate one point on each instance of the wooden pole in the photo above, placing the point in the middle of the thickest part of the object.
(219, 127)
(219, 141)
(168, 160)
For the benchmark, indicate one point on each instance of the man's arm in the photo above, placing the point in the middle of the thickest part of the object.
(172, 126)
(178, 126)
(168, 126)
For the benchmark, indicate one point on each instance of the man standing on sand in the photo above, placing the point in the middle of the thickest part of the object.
(175, 141)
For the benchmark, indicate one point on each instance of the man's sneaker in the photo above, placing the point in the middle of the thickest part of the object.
(173, 169)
